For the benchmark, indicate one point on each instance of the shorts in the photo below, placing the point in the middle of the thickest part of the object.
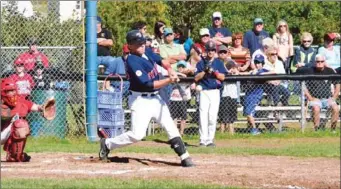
(250, 103)
(322, 103)
(178, 109)
(227, 110)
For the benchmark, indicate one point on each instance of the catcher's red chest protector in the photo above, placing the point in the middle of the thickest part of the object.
(15, 144)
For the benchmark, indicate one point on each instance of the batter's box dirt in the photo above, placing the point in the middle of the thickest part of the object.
(243, 171)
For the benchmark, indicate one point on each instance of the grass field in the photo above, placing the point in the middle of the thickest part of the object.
(323, 144)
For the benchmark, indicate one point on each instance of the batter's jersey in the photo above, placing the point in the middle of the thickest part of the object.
(142, 72)
(210, 81)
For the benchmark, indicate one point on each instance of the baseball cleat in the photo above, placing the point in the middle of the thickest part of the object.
(104, 151)
(187, 162)
(211, 145)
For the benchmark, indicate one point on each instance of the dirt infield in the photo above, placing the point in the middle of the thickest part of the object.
(243, 171)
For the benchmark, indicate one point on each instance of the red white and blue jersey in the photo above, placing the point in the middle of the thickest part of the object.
(142, 72)
(210, 81)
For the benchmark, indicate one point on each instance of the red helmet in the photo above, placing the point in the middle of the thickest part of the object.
(8, 84)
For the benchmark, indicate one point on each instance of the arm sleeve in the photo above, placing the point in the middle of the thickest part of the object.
(182, 50)
(30, 79)
(45, 60)
(297, 56)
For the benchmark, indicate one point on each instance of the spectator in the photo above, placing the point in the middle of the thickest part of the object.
(171, 51)
(158, 32)
(239, 54)
(266, 43)
(33, 57)
(274, 88)
(254, 93)
(253, 38)
(329, 51)
(220, 35)
(22, 79)
(104, 43)
(304, 54)
(209, 74)
(228, 103)
(204, 38)
(284, 42)
(319, 92)
(41, 80)
(141, 26)
(118, 67)
(222, 54)
(180, 99)
(181, 37)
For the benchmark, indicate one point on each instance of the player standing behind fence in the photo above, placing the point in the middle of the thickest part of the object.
(210, 74)
(178, 103)
(145, 102)
(228, 103)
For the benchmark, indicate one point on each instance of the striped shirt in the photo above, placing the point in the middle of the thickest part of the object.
(240, 56)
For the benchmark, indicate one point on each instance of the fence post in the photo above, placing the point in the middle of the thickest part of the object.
(303, 119)
(91, 71)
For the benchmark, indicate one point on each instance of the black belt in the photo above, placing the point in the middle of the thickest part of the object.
(146, 94)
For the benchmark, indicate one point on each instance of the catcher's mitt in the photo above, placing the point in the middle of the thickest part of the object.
(49, 109)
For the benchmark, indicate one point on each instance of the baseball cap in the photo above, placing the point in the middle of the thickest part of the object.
(222, 48)
(217, 15)
(135, 37)
(125, 48)
(167, 31)
(258, 20)
(329, 36)
(259, 59)
(204, 31)
(210, 45)
(181, 63)
(99, 19)
(19, 61)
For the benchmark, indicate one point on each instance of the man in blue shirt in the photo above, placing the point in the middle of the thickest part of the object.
(253, 38)
(145, 102)
(209, 75)
(219, 34)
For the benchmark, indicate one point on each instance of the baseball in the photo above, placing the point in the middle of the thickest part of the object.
(198, 88)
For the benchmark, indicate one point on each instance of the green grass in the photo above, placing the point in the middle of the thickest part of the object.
(308, 144)
(100, 183)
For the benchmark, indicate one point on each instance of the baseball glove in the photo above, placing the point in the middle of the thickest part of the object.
(49, 109)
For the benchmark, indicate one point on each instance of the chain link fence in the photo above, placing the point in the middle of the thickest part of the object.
(274, 107)
(50, 45)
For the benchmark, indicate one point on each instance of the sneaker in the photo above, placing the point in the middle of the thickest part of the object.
(187, 162)
(104, 151)
(211, 145)
(202, 145)
(255, 131)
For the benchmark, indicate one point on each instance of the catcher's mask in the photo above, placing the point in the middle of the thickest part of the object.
(9, 92)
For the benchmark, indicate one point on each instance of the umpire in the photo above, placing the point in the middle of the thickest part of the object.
(145, 102)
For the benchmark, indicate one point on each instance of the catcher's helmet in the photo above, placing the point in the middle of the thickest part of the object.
(8, 84)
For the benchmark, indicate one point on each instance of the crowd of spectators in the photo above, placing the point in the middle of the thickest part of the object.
(254, 52)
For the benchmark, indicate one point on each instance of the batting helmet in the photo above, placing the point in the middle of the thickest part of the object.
(8, 84)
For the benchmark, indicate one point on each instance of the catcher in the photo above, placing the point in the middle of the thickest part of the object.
(14, 127)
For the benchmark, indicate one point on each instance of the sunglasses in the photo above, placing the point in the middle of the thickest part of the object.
(307, 41)
(317, 61)
(273, 54)
(282, 26)
(216, 18)
(205, 36)
(222, 52)
(211, 50)
(19, 65)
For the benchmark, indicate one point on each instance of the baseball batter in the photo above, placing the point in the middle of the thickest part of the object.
(145, 102)
(209, 74)
(14, 132)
